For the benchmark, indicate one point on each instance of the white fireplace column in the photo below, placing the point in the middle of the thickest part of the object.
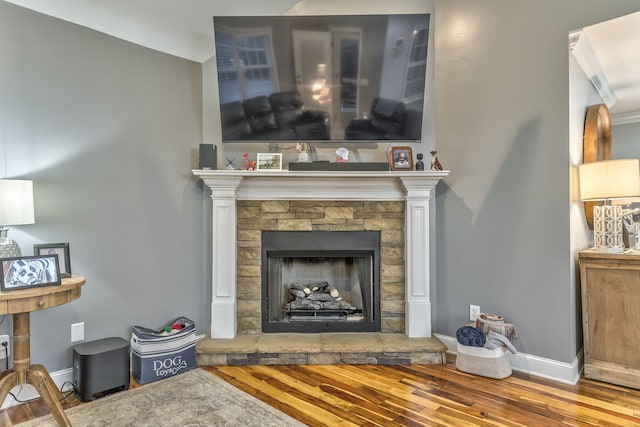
(224, 257)
(415, 188)
(417, 257)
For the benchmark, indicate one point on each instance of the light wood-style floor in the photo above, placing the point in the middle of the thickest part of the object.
(416, 395)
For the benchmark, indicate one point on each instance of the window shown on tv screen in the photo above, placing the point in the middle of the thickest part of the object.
(335, 78)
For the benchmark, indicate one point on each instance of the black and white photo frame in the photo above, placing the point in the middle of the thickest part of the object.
(29, 272)
(60, 249)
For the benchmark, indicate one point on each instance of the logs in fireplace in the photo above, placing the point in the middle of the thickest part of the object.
(318, 300)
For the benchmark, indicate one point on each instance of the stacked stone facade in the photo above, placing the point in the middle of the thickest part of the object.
(300, 215)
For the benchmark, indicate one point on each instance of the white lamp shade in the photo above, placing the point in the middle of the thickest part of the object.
(16, 202)
(609, 179)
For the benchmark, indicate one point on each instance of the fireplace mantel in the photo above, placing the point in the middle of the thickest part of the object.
(415, 188)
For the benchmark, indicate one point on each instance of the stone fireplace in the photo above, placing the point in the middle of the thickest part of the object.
(395, 205)
(333, 225)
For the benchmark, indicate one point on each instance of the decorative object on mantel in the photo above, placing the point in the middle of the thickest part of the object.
(269, 161)
(16, 208)
(401, 158)
(304, 152)
(342, 155)
(419, 163)
(606, 180)
(228, 163)
(249, 165)
(435, 163)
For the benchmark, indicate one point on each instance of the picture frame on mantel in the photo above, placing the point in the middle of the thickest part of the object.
(269, 162)
(400, 159)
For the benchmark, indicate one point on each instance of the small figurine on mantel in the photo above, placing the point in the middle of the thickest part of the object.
(419, 162)
(435, 163)
(228, 163)
(250, 165)
(304, 152)
(342, 155)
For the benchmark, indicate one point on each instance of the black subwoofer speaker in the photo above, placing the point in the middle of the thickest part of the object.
(101, 367)
(208, 158)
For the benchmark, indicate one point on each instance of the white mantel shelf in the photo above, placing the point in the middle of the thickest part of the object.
(415, 188)
(319, 185)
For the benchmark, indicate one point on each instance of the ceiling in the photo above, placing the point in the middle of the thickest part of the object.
(182, 28)
(185, 29)
(615, 46)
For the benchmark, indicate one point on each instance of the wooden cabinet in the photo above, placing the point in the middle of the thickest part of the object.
(610, 285)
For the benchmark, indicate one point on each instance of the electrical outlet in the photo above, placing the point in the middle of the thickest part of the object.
(77, 332)
(5, 339)
(474, 312)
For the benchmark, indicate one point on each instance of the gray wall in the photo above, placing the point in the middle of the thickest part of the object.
(626, 141)
(502, 127)
(109, 132)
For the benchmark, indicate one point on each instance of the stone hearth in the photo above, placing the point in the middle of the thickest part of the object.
(321, 349)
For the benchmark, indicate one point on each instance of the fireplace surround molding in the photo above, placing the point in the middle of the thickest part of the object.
(415, 188)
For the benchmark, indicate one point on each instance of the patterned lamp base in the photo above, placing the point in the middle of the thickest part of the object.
(8, 248)
(607, 229)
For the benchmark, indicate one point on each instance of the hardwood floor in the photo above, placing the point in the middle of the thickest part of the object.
(421, 395)
(415, 395)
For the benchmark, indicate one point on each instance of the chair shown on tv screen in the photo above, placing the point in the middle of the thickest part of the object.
(388, 119)
(280, 116)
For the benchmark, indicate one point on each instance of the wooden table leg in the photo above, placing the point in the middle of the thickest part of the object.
(25, 373)
(21, 344)
(43, 383)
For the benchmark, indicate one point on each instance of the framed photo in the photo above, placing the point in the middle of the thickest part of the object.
(60, 249)
(29, 272)
(401, 158)
(269, 161)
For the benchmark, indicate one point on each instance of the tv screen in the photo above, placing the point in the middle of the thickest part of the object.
(335, 78)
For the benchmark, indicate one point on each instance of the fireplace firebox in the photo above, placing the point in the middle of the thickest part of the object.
(320, 281)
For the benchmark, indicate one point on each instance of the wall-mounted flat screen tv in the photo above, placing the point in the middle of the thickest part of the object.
(337, 78)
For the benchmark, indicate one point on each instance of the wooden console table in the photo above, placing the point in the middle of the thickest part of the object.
(20, 303)
(610, 285)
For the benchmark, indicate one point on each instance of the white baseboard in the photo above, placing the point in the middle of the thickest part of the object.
(28, 392)
(568, 373)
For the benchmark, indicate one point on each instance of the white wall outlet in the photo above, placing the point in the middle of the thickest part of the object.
(77, 332)
(5, 339)
(474, 312)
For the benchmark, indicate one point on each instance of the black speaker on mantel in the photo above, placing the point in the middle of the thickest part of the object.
(207, 159)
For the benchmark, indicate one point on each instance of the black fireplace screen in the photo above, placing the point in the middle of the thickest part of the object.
(320, 281)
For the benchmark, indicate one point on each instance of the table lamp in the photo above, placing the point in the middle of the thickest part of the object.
(607, 180)
(16, 208)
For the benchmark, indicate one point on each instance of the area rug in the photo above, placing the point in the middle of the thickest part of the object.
(192, 399)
